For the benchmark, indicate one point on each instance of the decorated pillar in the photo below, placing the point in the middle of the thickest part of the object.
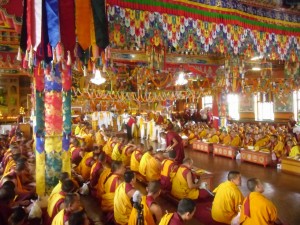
(53, 123)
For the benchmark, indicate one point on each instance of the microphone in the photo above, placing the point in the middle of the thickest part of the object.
(137, 199)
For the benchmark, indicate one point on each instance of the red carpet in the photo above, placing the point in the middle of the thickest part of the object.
(203, 213)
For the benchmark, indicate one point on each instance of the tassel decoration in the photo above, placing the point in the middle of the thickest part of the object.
(54, 56)
(85, 72)
(26, 55)
(19, 56)
(69, 60)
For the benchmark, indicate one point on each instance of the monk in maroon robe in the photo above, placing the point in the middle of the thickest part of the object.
(174, 143)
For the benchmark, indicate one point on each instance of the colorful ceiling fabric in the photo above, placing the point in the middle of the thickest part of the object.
(191, 26)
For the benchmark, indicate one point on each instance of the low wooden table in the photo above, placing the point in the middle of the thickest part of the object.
(257, 157)
(225, 150)
(203, 146)
(205, 176)
(290, 165)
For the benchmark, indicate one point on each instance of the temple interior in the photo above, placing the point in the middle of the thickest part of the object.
(169, 100)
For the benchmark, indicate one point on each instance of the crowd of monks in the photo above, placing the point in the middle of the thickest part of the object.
(110, 165)
(278, 140)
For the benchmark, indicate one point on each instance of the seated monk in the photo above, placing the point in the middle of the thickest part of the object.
(122, 200)
(275, 146)
(20, 176)
(226, 138)
(149, 166)
(111, 183)
(135, 158)
(152, 212)
(79, 218)
(214, 138)
(192, 137)
(203, 133)
(61, 178)
(185, 211)
(235, 139)
(10, 157)
(108, 147)
(96, 170)
(117, 150)
(183, 185)
(256, 208)
(247, 141)
(261, 140)
(228, 199)
(56, 201)
(102, 178)
(293, 151)
(126, 153)
(168, 171)
(72, 204)
(76, 151)
(85, 166)
(100, 136)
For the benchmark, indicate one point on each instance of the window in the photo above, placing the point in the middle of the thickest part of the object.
(233, 106)
(296, 103)
(263, 107)
(207, 101)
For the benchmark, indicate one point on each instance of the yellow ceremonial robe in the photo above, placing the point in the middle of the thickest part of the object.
(100, 185)
(83, 169)
(125, 157)
(116, 154)
(99, 139)
(149, 167)
(236, 141)
(52, 200)
(77, 130)
(202, 134)
(107, 198)
(134, 163)
(261, 142)
(180, 188)
(226, 203)
(59, 218)
(227, 140)
(9, 166)
(279, 149)
(166, 219)
(148, 218)
(192, 138)
(294, 151)
(56, 189)
(122, 205)
(107, 148)
(214, 139)
(262, 210)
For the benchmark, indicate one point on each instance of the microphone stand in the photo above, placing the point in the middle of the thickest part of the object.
(140, 216)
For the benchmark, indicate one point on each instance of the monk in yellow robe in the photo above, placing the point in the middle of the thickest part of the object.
(56, 201)
(100, 137)
(108, 147)
(149, 166)
(183, 185)
(295, 152)
(126, 153)
(9, 158)
(117, 150)
(110, 185)
(256, 208)
(214, 138)
(203, 133)
(84, 167)
(275, 146)
(135, 158)
(247, 141)
(102, 178)
(226, 139)
(228, 198)
(123, 194)
(168, 171)
(151, 210)
(72, 204)
(192, 137)
(185, 211)
(235, 139)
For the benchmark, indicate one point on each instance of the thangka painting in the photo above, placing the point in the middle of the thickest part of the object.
(246, 103)
(283, 102)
